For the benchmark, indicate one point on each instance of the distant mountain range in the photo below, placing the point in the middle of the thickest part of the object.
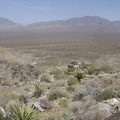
(83, 24)
(6, 24)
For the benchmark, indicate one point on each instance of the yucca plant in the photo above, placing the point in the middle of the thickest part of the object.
(2, 117)
(22, 112)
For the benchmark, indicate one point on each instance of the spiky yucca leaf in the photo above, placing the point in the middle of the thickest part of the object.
(22, 112)
(2, 117)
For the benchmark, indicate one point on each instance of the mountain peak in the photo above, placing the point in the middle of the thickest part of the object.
(6, 24)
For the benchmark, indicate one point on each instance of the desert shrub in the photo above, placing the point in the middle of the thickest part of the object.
(22, 112)
(78, 97)
(70, 88)
(92, 70)
(105, 95)
(108, 81)
(106, 68)
(75, 106)
(45, 77)
(79, 93)
(23, 99)
(38, 90)
(79, 75)
(57, 72)
(63, 102)
(55, 94)
(71, 81)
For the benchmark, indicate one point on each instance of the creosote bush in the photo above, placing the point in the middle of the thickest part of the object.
(93, 70)
(55, 94)
(38, 90)
(105, 95)
(71, 81)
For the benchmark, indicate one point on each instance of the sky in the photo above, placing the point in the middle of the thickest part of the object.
(30, 11)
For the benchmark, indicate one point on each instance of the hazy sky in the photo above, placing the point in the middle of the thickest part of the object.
(29, 11)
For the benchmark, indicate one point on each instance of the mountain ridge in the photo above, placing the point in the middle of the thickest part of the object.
(83, 24)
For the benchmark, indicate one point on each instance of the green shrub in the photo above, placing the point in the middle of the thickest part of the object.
(105, 95)
(79, 75)
(22, 112)
(71, 81)
(38, 90)
(93, 70)
(55, 94)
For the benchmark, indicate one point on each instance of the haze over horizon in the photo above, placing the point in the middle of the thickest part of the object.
(30, 11)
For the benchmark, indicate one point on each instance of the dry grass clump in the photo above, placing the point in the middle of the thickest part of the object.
(45, 77)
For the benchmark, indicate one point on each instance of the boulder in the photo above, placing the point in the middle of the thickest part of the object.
(100, 111)
(44, 103)
(36, 105)
(97, 112)
(115, 116)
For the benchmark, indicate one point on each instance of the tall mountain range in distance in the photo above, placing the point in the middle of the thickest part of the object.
(77, 25)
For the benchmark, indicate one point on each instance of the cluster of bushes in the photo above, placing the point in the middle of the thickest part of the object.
(89, 69)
